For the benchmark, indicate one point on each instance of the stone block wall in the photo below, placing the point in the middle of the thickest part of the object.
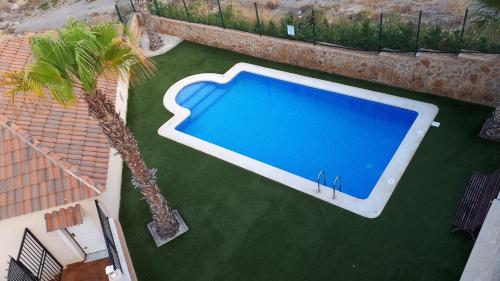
(135, 28)
(471, 78)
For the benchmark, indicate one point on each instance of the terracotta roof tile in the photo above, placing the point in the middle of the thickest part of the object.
(38, 178)
(70, 135)
(65, 217)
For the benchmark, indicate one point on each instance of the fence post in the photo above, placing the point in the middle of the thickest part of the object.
(313, 19)
(118, 12)
(157, 8)
(380, 31)
(460, 43)
(133, 6)
(418, 31)
(258, 19)
(186, 9)
(221, 16)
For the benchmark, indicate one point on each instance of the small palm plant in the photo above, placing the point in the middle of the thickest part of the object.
(155, 41)
(76, 58)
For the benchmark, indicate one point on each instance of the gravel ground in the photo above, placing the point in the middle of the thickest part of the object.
(386, 6)
(28, 16)
(55, 18)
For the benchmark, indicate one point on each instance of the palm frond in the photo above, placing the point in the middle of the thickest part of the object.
(39, 81)
(19, 84)
(47, 48)
(56, 83)
(77, 55)
(105, 32)
(86, 64)
(121, 58)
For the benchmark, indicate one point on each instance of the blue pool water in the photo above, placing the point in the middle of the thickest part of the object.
(298, 129)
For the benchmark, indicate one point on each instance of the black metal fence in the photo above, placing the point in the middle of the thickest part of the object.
(17, 272)
(367, 31)
(37, 260)
(108, 237)
(124, 9)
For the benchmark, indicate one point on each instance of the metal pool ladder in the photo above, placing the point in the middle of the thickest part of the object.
(322, 173)
(337, 183)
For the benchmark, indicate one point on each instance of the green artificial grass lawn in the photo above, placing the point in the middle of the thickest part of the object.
(246, 227)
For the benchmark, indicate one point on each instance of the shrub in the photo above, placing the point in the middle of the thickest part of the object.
(360, 31)
(44, 6)
(173, 11)
(271, 29)
(437, 38)
(356, 32)
(234, 19)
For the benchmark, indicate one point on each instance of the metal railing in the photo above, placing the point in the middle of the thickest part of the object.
(18, 272)
(365, 31)
(321, 175)
(108, 237)
(37, 260)
(337, 185)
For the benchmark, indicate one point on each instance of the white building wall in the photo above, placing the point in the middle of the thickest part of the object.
(111, 197)
(12, 230)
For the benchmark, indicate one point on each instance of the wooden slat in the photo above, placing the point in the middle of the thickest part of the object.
(476, 201)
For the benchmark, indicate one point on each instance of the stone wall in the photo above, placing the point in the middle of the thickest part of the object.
(134, 28)
(472, 78)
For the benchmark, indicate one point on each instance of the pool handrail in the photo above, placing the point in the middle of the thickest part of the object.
(321, 173)
(334, 185)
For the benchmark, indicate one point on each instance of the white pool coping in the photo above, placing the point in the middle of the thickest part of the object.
(370, 207)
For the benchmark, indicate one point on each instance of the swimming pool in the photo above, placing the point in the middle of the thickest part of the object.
(289, 127)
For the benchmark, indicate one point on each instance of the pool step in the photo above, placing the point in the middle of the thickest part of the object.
(186, 94)
(196, 96)
(199, 98)
(206, 103)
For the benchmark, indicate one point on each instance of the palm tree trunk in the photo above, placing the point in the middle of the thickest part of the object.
(492, 127)
(155, 41)
(121, 138)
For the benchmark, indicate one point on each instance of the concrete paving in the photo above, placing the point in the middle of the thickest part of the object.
(484, 261)
(169, 42)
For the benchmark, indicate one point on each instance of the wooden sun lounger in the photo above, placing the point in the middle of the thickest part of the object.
(476, 201)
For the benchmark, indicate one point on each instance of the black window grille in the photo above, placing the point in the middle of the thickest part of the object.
(35, 261)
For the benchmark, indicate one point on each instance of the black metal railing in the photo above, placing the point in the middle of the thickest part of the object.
(108, 237)
(365, 31)
(37, 260)
(18, 272)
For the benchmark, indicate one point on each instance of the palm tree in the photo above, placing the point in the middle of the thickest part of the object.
(154, 38)
(75, 58)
